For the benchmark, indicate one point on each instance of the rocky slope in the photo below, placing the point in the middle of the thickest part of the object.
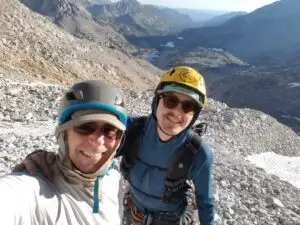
(275, 93)
(31, 44)
(73, 17)
(245, 195)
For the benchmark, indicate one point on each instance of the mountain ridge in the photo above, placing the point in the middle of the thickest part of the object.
(269, 36)
(73, 17)
(151, 19)
(38, 47)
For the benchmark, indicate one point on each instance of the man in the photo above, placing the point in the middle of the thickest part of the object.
(161, 154)
(85, 185)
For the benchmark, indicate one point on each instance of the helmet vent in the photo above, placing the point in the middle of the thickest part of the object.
(119, 101)
(171, 72)
(78, 95)
(70, 96)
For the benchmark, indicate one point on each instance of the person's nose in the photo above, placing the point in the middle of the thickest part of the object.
(178, 109)
(96, 139)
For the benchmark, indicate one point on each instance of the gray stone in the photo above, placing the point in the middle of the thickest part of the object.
(270, 201)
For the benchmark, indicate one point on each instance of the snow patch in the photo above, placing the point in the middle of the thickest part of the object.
(169, 44)
(294, 84)
(284, 167)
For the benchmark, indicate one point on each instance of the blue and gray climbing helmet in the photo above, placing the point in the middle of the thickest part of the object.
(95, 100)
(88, 101)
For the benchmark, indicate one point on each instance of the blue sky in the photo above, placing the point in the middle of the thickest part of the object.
(223, 5)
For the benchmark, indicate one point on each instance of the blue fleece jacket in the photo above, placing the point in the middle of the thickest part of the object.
(147, 181)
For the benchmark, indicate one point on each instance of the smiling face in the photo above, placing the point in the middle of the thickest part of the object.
(90, 152)
(172, 121)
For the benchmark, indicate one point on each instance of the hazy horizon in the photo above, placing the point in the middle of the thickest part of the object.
(216, 5)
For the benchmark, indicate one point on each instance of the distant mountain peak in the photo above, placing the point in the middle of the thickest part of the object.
(129, 4)
(268, 36)
(135, 19)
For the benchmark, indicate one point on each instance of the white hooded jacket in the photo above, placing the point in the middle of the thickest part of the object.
(31, 200)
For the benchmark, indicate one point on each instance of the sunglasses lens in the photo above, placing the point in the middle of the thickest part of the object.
(188, 106)
(111, 132)
(170, 102)
(86, 128)
(107, 130)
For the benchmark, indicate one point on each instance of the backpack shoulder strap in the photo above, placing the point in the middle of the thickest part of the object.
(183, 160)
(195, 142)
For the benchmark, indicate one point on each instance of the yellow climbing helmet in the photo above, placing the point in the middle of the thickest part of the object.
(186, 77)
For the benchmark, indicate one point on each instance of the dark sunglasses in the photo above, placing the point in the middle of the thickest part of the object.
(171, 102)
(107, 130)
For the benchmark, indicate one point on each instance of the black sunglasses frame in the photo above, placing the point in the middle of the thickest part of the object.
(108, 130)
(187, 106)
